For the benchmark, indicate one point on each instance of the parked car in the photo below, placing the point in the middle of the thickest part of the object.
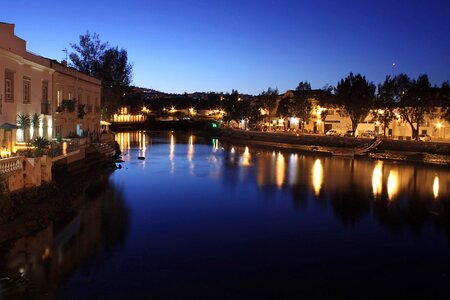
(424, 137)
(332, 132)
(348, 133)
(369, 134)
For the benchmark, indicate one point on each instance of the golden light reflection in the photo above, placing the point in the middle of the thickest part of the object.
(123, 139)
(317, 173)
(280, 170)
(392, 184)
(172, 153)
(293, 166)
(142, 143)
(190, 153)
(377, 179)
(246, 156)
(436, 187)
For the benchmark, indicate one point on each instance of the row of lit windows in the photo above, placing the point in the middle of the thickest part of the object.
(70, 96)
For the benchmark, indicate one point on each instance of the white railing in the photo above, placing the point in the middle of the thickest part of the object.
(11, 164)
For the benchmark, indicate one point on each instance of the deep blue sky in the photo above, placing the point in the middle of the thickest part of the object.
(248, 45)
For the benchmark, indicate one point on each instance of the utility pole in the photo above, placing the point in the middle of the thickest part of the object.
(393, 70)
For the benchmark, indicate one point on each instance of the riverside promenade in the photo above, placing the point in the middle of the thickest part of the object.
(400, 150)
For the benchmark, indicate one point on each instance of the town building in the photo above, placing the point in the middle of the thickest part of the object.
(76, 98)
(43, 97)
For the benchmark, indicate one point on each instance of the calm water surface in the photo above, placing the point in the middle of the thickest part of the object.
(202, 219)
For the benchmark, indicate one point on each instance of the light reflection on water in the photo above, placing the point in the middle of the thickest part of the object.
(388, 180)
(436, 187)
(377, 179)
(200, 212)
(317, 174)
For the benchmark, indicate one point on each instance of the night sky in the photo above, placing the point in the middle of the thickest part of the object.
(248, 45)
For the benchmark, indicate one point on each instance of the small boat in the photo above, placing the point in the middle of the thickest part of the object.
(141, 157)
(344, 153)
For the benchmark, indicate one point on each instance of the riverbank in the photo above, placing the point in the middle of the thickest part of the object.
(412, 151)
(32, 209)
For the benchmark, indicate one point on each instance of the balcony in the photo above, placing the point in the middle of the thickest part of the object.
(46, 108)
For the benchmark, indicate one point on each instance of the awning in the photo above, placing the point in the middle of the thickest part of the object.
(8, 126)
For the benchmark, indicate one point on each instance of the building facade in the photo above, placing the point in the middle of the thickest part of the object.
(35, 93)
(326, 115)
(76, 99)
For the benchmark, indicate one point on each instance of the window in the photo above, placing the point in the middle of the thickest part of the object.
(88, 104)
(45, 106)
(26, 90)
(44, 92)
(58, 98)
(9, 86)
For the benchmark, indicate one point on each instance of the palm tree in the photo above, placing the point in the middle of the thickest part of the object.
(40, 144)
(35, 122)
(24, 122)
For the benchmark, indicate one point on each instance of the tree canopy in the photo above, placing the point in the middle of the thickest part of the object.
(356, 95)
(109, 64)
(269, 100)
(304, 86)
(414, 100)
(384, 103)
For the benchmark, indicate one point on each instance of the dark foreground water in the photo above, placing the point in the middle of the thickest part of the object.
(206, 220)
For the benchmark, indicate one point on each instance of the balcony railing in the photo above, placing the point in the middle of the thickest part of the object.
(11, 164)
(46, 108)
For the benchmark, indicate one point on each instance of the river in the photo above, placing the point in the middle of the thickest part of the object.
(202, 219)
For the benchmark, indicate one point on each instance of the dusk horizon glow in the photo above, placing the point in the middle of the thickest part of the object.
(199, 46)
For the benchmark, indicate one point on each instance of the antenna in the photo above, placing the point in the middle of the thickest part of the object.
(65, 51)
(393, 70)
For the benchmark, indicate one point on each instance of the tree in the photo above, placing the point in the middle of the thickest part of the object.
(24, 122)
(356, 95)
(231, 105)
(304, 86)
(384, 104)
(415, 101)
(285, 107)
(302, 109)
(40, 144)
(444, 97)
(253, 114)
(115, 74)
(109, 64)
(328, 88)
(269, 100)
(35, 123)
(88, 54)
(296, 106)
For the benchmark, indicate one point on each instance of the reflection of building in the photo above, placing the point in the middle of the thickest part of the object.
(50, 256)
(57, 100)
